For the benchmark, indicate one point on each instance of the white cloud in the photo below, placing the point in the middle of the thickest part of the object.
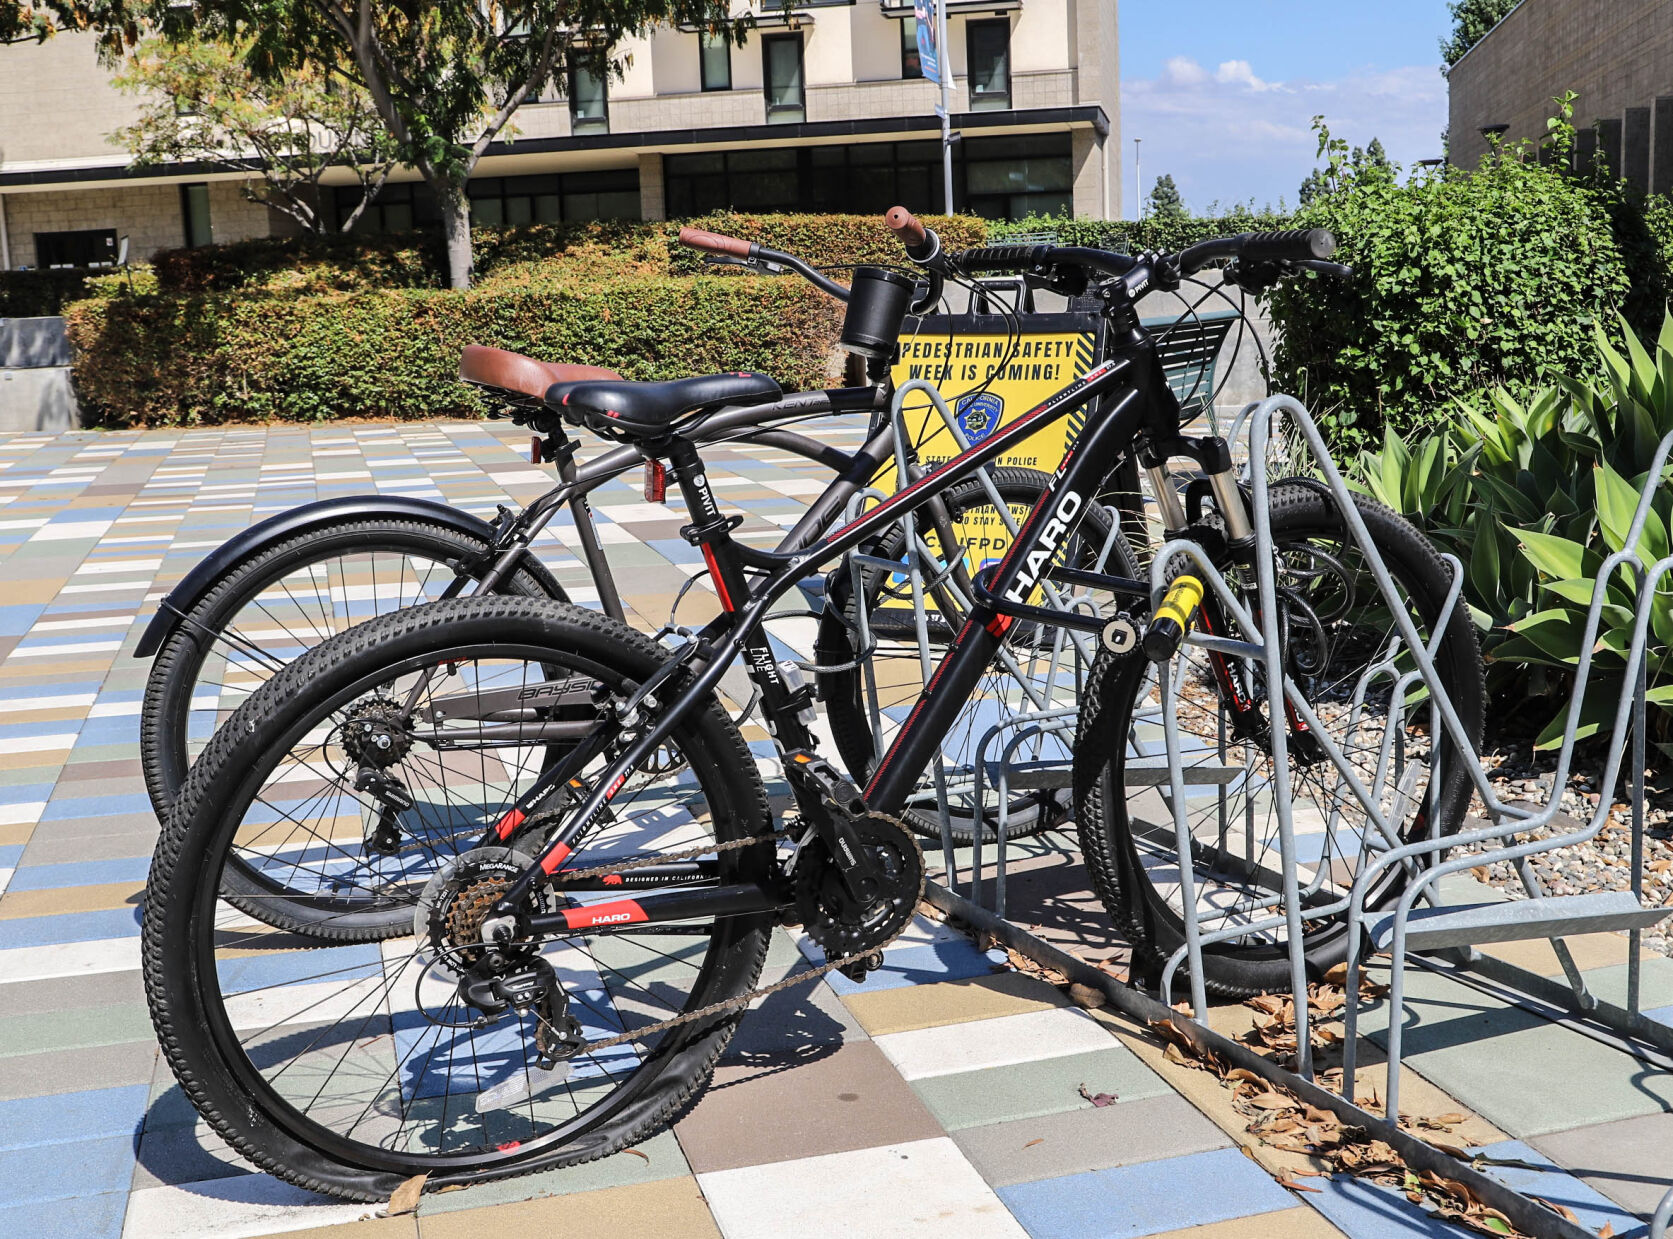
(1240, 73)
(1231, 135)
(1183, 71)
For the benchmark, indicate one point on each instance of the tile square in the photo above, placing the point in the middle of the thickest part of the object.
(1630, 1161)
(827, 1101)
(1146, 1199)
(994, 1043)
(919, 1190)
(1075, 1141)
(1041, 1086)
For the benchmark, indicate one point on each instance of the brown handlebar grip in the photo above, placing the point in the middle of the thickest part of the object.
(715, 242)
(906, 226)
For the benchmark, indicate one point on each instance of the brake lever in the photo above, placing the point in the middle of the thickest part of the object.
(751, 264)
(1335, 270)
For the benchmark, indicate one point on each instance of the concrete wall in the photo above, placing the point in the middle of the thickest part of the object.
(1616, 54)
(148, 215)
(35, 391)
(57, 104)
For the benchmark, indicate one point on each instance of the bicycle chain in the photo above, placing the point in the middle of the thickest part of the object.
(740, 1000)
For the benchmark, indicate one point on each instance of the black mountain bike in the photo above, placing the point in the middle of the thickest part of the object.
(569, 983)
(277, 589)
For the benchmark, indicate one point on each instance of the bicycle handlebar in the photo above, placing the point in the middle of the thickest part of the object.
(716, 243)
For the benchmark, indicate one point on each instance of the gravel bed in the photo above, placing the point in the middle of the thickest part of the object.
(1602, 862)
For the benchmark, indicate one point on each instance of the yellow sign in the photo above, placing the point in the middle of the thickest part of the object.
(989, 378)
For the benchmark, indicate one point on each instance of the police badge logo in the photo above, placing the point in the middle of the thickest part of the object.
(978, 415)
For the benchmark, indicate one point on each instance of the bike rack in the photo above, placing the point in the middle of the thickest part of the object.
(1405, 928)
(1044, 690)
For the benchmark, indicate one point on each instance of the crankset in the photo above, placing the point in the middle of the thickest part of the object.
(843, 924)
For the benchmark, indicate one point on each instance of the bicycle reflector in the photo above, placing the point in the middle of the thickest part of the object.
(1172, 619)
(656, 481)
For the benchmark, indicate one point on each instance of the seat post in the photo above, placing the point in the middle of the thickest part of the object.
(709, 532)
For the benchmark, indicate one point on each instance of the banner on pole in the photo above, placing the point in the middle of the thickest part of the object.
(929, 47)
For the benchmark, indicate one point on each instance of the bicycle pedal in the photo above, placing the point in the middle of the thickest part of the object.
(856, 971)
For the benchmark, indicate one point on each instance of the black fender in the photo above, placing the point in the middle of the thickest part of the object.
(310, 518)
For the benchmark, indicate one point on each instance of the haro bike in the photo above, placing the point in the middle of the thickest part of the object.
(568, 984)
(279, 588)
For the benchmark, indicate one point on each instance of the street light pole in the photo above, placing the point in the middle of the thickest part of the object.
(1138, 176)
(944, 71)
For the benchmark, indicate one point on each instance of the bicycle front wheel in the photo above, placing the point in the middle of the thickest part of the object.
(349, 1068)
(1339, 649)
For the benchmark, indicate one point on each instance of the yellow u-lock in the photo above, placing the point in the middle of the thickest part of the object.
(1172, 620)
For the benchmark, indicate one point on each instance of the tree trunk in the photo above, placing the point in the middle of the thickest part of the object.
(456, 229)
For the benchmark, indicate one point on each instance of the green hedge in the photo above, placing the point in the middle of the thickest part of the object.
(165, 360)
(36, 294)
(527, 254)
(1127, 236)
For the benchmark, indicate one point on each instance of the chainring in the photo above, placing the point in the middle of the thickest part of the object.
(832, 917)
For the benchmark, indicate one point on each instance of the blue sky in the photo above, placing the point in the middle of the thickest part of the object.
(1223, 92)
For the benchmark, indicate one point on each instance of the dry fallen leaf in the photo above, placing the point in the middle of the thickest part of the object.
(404, 1199)
(1099, 1100)
(1035, 1141)
(1086, 996)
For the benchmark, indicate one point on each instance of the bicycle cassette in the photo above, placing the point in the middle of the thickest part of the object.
(832, 917)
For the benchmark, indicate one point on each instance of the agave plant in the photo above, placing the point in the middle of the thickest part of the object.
(1533, 497)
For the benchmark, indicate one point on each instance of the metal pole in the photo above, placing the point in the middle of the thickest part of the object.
(1138, 180)
(5, 240)
(944, 71)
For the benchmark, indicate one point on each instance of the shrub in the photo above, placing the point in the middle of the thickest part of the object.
(526, 254)
(1127, 236)
(37, 294)
(826, 240)
(1532, 497)
(156, 360)
(1463, 283)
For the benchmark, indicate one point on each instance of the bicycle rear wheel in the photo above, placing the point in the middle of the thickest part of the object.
(350, 1068)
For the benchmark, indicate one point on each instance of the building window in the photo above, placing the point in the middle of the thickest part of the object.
(714, 60)
(781, 55)
(988, 52)
(1002, 178)
(89, 247)
(194, 213)
(909, 64)
(399, 207)
(506, 201)
(589, 109)
(1008, 178)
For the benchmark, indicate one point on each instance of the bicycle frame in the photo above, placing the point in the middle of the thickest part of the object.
(738, 631)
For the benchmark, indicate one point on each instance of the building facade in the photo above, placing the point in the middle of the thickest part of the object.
(822, 109)
(1616, 55)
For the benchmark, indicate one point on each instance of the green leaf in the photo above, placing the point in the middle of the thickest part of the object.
(1556, 557)
(1616, 501)
(1603, 699)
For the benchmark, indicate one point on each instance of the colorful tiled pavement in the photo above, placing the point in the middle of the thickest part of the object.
(948, 1095)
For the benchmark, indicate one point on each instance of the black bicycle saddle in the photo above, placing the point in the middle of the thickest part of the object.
(624, 410)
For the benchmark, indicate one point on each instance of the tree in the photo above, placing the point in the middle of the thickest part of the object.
(445, 76)
(202, 104)
(36, 21)
(1165, 202)
(1362, 164)
(1472, 19)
